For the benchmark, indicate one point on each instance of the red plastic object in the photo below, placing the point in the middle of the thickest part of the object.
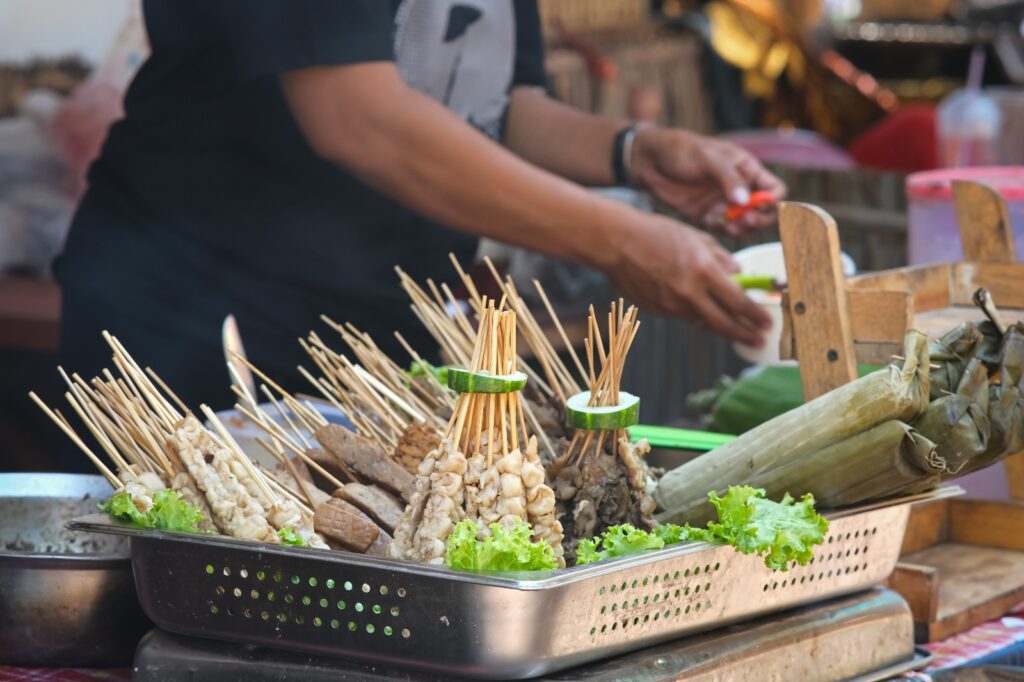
(902, 141)
(757, 200)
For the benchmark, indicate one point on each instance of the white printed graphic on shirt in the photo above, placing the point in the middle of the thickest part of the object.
(461, 53)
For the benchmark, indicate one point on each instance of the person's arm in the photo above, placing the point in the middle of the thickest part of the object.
(406, 145)
(696, 175)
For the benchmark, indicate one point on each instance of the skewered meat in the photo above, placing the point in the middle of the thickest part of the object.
(141, 487)
(413, 515)
(381, 546)
(341, 522)
(330, 464)
(443, 508)
(364, 457)
(233, 510)
(307, 488)
(382, 507)
(603, 490)
(540, 502)
(416, 442)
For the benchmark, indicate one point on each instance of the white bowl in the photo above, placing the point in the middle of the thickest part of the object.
(767, 259)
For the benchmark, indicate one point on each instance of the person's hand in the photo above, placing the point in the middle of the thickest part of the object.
(700, 176)
(669, 268)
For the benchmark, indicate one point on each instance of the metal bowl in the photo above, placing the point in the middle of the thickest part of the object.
(68, 598)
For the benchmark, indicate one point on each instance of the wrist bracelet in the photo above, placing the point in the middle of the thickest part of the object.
(622, 151)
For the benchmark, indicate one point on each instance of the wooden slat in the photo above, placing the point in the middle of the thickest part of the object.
(919, 587)
(985, 229)
(817, 298)
(878, 319)
(928, 525)
(876, 352)
(1005, 281)
(976, 584)
(987, 523)
(879, 315)
(1015, 475)
(929, 285)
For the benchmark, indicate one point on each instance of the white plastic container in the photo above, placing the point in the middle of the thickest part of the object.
(933, 234)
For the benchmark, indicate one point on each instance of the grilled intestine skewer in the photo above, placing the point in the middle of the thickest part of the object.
(499, 482)
(601, 479)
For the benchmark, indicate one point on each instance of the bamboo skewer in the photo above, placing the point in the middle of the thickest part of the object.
(273, 430)
(70, 432)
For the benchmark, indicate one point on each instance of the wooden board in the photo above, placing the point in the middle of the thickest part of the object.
(975, 584)
(817, 298)
(1005, 281)
(919, 587)
(929, 285)
(988, 524)
(928, 525)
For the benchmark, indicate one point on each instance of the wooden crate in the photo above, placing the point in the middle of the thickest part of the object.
(962, 564)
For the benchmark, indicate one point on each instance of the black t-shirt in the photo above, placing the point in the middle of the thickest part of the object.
(207, 200)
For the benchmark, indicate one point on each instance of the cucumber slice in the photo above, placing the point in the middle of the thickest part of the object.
(606, 418)
(464, 381)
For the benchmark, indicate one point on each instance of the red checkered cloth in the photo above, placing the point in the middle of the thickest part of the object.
(978, 642)
(61, 675)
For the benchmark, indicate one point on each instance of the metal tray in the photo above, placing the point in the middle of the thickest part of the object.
(512, 626)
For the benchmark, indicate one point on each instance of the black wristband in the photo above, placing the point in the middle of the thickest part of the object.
(620, 170)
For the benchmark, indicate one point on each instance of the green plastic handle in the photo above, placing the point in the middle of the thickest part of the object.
(764, 282)
(679, 439)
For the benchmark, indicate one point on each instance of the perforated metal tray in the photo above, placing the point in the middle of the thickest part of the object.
(513, 626)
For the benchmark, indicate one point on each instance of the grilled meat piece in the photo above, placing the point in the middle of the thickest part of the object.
(381, 506)
(346, 525)
(366, 459)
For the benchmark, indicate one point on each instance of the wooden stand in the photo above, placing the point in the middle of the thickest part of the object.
(964, 559)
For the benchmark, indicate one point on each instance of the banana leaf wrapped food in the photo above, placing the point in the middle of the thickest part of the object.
(949, 356)
(793, 439)
(1006, 403)
(958, 423)
(867, 466)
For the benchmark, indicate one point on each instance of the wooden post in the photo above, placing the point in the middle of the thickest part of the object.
(817, 300)
(987, 237)
(985, 229)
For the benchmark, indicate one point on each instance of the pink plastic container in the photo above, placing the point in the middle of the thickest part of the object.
(933, 235)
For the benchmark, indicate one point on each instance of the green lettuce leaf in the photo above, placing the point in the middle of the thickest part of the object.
(121, 507)
(617, 541)
(290, 537)
(169, 512)
(420, 369)
(504, 550)
(781, 532)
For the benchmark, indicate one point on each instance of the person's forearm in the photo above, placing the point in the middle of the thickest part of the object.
(561, 139)
(411, 148)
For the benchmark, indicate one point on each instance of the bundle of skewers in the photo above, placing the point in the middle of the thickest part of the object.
(598, 474)
(486, 467)
(156, 445)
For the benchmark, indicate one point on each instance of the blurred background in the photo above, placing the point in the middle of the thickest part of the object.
(865, 107)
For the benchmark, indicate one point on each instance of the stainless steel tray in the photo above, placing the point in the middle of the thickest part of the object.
(512, 626)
